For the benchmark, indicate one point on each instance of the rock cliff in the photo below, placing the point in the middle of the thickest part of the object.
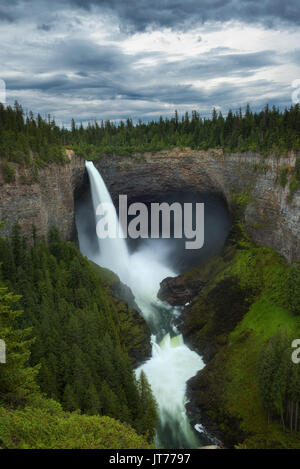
(47, 200)
(270, 217)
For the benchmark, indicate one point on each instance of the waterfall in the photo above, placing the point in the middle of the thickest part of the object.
(171, 366)
(172, 363)
(113, 252)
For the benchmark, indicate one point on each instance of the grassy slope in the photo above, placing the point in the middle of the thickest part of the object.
(227, 389)
(267, 314)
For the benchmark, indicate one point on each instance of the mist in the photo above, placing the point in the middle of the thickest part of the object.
(142, 264)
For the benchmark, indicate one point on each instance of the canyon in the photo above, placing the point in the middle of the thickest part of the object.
(270, 217)
(248, 183)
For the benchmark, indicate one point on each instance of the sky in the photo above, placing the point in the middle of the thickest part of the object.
(113, 59)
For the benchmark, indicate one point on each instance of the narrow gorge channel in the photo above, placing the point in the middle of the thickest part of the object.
(142, 265)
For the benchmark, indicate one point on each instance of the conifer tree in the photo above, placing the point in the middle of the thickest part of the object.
(69, 399)
(279, 381)
(17, 379)
(109, 401)
(149, 413)
(80, 340)
(293, 290)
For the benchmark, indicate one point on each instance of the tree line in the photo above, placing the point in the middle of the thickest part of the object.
(279, 382)
(36, 141)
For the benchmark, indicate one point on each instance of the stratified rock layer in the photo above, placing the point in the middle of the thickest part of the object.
(270, 217)
(45, 202)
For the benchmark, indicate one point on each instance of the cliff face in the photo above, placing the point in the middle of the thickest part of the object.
(269, 217)
(47, 201)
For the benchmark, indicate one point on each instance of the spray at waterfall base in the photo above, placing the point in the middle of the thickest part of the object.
(166, 221)
(172, 363)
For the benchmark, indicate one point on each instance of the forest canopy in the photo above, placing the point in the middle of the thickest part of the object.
(67, 336)
(37, 141)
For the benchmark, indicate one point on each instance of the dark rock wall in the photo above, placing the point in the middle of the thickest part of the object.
(270, 218)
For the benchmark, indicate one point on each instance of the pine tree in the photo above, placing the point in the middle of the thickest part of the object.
(148, 418)
(265, 378)
(69, 399)
(293, 290)
(279, 381)
(91, 401)
(17, 379)
(109, 401)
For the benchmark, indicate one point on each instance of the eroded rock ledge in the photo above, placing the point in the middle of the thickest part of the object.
(177, 291)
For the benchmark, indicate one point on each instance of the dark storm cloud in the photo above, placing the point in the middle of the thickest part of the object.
(67, 57)
(83, 68)
(45, 27)
(138, 15)
(173, 13)
(208, 65)
(85, 54)
(6, 16)
(10, 10)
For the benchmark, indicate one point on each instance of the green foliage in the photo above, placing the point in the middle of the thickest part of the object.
(295, 180)
(8, 172)
(81, 330)
(28, 420)
(149, 410)
(297, 168)
(29, 141)
(17, 381)
(34, 141)
(293, 290)
(279, 381)
(229, 390)
(294, 186)
(283, 176)
(242, 199)
(46, 426)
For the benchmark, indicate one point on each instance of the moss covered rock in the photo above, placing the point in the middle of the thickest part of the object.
(243, 303)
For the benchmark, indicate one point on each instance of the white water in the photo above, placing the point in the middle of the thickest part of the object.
(172, 363)
(113, 251)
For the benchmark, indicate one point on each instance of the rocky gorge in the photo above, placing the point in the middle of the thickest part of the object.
(270, 217)
(230, 298)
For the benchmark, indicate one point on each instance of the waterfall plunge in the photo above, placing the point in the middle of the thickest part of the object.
(172, 362)
(113, 252)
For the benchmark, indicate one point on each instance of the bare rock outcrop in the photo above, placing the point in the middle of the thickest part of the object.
(177, 291)
(47, 200)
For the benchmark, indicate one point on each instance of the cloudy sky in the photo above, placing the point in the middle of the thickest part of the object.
(110, 59)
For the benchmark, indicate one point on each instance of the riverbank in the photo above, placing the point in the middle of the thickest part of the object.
(241, 302)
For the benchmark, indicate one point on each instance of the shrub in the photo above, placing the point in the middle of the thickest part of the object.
(283, 176)
(51, 428)
(8, 172)
(297, 168)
